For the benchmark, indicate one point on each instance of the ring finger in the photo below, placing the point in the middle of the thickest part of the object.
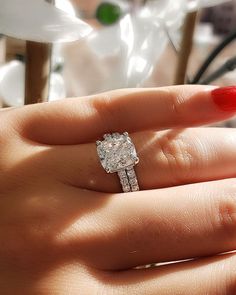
(167, 158)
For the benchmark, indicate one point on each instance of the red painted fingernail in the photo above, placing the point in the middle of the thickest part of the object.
(225, 98)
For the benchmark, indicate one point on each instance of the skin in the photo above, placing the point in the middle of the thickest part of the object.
(65, 227)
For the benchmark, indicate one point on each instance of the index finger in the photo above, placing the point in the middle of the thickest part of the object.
(79, 120)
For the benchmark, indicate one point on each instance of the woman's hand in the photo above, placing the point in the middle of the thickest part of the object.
(66, 229)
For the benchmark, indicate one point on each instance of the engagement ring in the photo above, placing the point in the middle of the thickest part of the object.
(117, 153)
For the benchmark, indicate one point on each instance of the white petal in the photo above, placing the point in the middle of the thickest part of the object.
(196, 4)
(12, 84)
(39, 21)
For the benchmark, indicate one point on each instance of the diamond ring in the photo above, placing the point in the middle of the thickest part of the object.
(117, 153)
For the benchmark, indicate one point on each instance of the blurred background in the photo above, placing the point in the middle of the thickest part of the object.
(133, 43)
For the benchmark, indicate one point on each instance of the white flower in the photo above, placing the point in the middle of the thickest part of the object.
(37, 20)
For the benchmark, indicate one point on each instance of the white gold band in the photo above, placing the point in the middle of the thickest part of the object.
(128, 180)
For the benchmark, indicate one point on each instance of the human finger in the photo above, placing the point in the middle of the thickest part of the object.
(159, 225)
(79, 120)
(211, 276)
(166, 158)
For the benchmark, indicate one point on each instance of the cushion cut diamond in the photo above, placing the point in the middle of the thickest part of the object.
(116, 152)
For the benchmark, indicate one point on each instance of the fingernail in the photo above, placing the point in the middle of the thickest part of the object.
(225, 98)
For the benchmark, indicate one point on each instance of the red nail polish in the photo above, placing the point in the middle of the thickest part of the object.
(225, 98)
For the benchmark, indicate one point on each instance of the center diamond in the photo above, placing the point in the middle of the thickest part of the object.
(116, 152)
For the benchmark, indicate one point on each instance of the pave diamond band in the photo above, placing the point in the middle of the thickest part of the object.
(128, 180)
(117, 153)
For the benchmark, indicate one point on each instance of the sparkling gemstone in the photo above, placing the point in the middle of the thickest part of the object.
(131, 173)
(122, 174)
(126, 188)
(117, 152)
(125, 182)
(135, 188)
(133, 181)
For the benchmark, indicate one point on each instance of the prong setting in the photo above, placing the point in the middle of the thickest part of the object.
(115, 135)
(107, 136)
(136, 160)
(117, 153)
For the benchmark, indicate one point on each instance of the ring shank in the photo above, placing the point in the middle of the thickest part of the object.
(128, 180)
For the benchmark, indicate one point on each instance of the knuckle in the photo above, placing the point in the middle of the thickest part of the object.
(226, 214)
(107, 110)
(174, 101)
(178, 154)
